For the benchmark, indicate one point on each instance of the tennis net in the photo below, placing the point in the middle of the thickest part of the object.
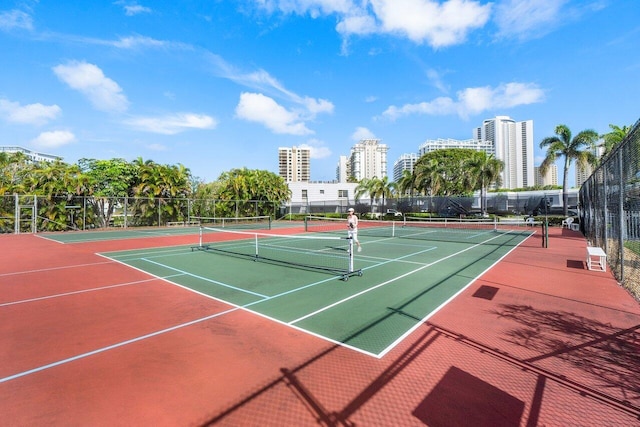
(331, 254)
(249, 222)
(454, 230)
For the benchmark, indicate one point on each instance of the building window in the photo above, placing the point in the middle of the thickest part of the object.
(343, 194)
(304, 194)
(321, 191)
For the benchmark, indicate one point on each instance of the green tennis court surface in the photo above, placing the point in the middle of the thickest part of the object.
(404, 281)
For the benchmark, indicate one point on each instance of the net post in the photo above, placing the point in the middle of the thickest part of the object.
(350, 254)
(200, 237)
(256, 240)
(306, 225)
(546, 233)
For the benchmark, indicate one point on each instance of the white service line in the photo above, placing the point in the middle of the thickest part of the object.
(388, 281)
(111, 347)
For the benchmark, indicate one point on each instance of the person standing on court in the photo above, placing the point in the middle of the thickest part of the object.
(352, 227)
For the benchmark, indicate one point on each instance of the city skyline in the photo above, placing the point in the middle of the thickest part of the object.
(221, 85)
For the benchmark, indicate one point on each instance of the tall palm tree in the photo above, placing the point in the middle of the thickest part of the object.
(578, 148)
(406, 183)
(428, 176)
(485, 170)
(382, 188)
(365, 187)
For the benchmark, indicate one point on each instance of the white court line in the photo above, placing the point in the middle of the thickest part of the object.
(111, 347)
(186, 273)
(418, 324)
(389, 281)
(77, 292)
(40, 270)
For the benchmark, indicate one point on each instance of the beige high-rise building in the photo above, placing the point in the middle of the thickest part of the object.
(294, 164)
(582, 174)
(550, 178)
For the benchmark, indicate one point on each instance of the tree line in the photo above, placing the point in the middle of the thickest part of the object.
(152, 193)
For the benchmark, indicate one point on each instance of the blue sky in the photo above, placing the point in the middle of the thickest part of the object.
(221, 84)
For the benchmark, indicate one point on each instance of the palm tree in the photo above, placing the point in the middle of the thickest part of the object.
(428, 176)
(406, 183)
(613, 138)
(382, 188)
(579, 148)
(485, 169)
(364, 187)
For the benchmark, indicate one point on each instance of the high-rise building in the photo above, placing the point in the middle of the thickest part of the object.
(343, 169)
(294, 164)
(405, 162)
(550, 178)
(472, 144)
(33, 156)
(582, 174)
(513, 143)
(368, 159)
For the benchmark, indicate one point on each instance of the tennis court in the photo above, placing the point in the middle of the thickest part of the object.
(171, 327)
(400, 278)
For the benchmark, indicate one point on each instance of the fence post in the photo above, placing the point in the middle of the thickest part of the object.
(622, 227)
(16, 214)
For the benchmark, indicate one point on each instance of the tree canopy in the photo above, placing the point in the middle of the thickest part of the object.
(568, 147)
(151, 193)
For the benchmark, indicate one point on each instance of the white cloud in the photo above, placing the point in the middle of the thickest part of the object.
(135, 9)
(473, 101)
(133, 42)
(528, 18)
(317, 149)
(438, 23)
(173, 124)
(15, 19)
(35, 114)
(435, 78)
(260, 80)
(317, 106)
(256, 107)
(362, 133)
(54, 139)
(88, 79)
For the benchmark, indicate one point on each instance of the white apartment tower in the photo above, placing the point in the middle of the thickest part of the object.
(513, 143)
(472, 144)
(342, 169)
(368, 159)
(33, 156)
(294, 164)
(405, 162)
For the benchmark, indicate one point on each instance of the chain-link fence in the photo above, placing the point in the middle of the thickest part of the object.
(536, 203)
(32, 214)
(610, 210)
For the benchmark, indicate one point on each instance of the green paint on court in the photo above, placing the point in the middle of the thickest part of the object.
(403, 282)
